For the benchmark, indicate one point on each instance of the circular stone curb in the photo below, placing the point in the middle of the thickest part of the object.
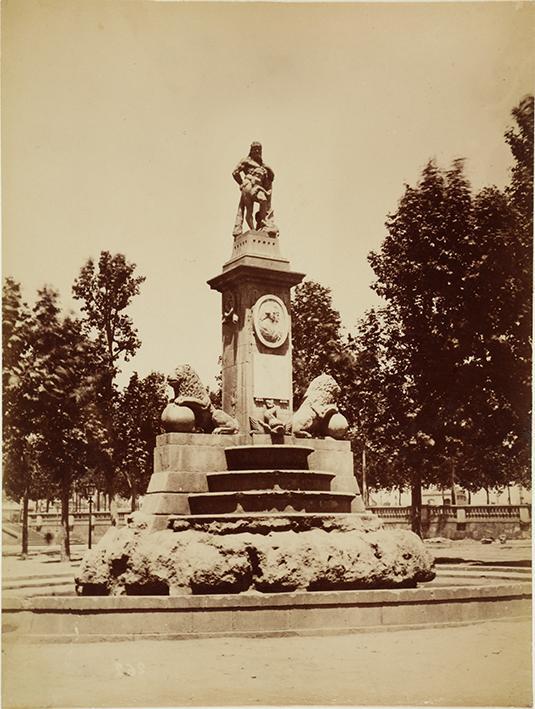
(260, 615)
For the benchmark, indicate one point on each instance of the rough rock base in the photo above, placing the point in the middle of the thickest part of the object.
(263, 553)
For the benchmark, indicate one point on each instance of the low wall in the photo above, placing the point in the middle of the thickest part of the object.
(449, 521)
(43, 523)
(463, 521)
(258, 615)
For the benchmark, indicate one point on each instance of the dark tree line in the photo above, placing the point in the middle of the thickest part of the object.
(437, 382)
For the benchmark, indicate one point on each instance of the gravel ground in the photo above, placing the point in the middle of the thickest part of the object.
(487, 664)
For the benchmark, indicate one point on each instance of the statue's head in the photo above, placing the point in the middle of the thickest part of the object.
(255, 151)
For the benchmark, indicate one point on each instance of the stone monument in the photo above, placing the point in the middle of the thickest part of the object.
(253, 496)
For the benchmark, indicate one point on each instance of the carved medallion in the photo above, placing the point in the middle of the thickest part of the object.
(271, 321)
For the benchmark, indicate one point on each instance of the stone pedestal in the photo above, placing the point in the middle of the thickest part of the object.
(183, 460)
(256, 330)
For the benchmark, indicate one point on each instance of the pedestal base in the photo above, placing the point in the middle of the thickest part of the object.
(267, 553)
(183, 462)
(227, 514)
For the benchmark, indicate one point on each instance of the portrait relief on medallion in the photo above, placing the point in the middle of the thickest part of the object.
(271, 321)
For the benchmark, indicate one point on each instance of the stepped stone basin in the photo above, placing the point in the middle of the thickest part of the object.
(270, 501)
(271, 456)
(269, 480)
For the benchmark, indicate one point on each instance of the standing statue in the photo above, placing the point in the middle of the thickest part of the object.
(255, 180)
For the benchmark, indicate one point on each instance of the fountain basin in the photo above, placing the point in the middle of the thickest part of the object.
(85, 619)
(269, 501)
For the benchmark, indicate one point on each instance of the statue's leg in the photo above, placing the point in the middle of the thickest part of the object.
(248, 201)
(262, 213)
(239, 219)
(269, 223)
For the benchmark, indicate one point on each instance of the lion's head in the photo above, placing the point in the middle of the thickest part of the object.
(322, 390)
(186, 382)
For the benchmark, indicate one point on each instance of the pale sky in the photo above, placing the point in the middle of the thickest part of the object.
(122, 122)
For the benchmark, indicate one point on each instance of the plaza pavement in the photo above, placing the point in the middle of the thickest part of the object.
(487, 664)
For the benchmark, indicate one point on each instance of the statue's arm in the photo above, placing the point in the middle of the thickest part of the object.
(236, 173)
(270, 177)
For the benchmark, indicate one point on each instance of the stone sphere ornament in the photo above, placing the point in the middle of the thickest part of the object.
(337, 426)
(178, 419)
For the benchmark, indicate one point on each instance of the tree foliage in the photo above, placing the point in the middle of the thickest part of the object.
(139, 409)
(319, 344)
(451, 348)
(19, 401)
(48, 399)
(106, 290)
(66, 398)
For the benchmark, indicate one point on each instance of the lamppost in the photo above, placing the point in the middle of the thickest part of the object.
(89, 491)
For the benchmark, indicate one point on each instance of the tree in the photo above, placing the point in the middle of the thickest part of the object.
(319, 345)
(398, 451)
(64, 414)
(421, 273)
(520, 191)
(455, 273)
(20, 397)
(520, 199)
(139, 409)
(106, 291)
(48, 398)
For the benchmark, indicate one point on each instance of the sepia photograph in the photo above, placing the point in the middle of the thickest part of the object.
(266, 353)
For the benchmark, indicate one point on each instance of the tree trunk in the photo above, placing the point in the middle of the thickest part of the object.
(133, 497)
(364, 490)
(453, 494)
(25, 506)
(65, 539)
(416, 503)
(112, 498)
(114, 509)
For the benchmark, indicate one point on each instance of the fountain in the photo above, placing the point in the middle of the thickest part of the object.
(253, 496)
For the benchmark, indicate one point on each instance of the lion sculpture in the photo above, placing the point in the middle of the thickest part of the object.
(189, 392)
(313, 417)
